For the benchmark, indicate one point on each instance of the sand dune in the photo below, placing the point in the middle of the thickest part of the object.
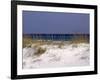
(55, 56)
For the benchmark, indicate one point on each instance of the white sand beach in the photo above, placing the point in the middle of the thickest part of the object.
(68, 55)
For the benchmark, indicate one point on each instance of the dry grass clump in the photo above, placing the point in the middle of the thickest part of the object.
(80, 39)
(60, 45)
(40, 51)
(27, 42)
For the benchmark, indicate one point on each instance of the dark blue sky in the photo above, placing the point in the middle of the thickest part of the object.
(55, 22)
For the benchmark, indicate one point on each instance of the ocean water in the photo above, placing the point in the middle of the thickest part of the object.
(56, 36)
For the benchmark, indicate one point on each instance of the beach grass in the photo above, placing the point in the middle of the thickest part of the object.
(80, 39)
(40, 51)
(28, 42)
